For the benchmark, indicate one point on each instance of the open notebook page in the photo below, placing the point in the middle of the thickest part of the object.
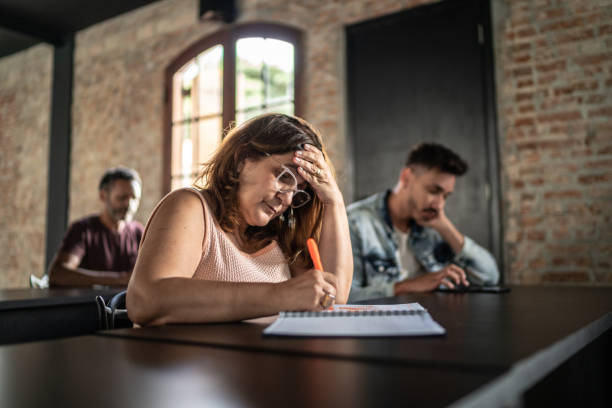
(409, 319)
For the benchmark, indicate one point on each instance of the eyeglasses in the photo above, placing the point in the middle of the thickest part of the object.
(286, 182)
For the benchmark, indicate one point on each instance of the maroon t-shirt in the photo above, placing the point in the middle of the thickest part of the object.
(101, 248)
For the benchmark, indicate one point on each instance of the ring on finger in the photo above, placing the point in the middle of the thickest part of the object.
(327, 300)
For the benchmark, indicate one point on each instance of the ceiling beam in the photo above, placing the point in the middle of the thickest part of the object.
(33, 29)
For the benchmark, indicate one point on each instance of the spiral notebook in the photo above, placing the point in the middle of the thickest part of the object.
(408, 319)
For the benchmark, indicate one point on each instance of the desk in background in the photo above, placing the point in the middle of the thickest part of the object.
(38, 314)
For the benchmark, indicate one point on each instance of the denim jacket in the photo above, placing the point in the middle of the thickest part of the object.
(375, 255)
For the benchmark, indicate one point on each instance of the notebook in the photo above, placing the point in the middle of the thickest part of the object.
(408, 319)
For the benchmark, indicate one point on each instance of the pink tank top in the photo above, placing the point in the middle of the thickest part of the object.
(223, 261)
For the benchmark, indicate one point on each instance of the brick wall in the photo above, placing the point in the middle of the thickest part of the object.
(554, 70)
(25, 92)
(553, 75)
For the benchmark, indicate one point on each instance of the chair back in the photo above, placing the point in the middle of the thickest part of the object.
(114, 314)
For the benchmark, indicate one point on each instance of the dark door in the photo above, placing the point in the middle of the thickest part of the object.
(425, 75)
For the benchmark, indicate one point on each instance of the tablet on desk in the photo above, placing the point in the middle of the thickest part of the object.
(475, 289)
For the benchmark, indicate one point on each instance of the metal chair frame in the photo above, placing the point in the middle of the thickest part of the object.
(113, 315)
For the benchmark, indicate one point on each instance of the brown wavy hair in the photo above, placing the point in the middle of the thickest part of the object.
(265, 134)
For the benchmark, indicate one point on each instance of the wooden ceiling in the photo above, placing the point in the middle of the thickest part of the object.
(24, 23)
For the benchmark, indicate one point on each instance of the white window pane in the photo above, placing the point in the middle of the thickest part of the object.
(177, 112)
(209, 139)
(177, 149)
(287, 109)
(210, 81)
(181, 157)
(264, 82)
(244, 116)
(186, 156)
(249, 71)
(197, 104)
(279, 61)
(264, 73)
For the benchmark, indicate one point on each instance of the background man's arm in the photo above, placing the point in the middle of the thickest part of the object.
(479, 264)
(65, 271)
(449, 276)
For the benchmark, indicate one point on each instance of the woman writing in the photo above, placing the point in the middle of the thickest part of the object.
(235, 247)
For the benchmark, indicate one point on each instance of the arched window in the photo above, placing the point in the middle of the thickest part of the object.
(228, 77)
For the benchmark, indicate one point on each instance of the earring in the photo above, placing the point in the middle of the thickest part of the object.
(282, 217)
(291, 220)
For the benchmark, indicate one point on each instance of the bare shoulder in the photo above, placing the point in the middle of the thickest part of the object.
(173, 242)
(180, 216)
(183, 198)
(180, 204)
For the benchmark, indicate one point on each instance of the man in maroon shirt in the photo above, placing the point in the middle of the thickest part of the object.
(101, 249)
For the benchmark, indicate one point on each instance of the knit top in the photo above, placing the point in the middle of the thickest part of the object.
(223, 261)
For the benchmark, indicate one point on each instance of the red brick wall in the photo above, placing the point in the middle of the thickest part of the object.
(25, 96)
(554, 72)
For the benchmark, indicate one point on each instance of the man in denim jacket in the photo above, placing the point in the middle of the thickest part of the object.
(402, 240)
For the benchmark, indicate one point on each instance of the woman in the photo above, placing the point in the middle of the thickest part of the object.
(235, 247)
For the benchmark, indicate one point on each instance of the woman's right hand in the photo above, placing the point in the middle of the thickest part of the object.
(305, 291)
(316, 171)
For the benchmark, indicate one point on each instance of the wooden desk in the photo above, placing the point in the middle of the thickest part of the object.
(525, 334)
(489, 331)
(37, 314)
(101, 371)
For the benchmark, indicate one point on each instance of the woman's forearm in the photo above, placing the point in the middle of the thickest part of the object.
(187, 300)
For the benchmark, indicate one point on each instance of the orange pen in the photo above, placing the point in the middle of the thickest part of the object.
(313, 250)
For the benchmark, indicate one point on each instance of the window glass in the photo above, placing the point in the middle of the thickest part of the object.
(196, 115)
(264, 77)
(264, 82)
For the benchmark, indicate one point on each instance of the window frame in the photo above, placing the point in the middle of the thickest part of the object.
(227, 38)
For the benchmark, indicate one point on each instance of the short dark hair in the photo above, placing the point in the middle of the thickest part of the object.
(436, 156)
(118, 173)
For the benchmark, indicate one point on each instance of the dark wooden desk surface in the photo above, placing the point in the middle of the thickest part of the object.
(496, 348)
(485, 332)
(37, 314)
(518, 338)
(12, 299)
(97, 371)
